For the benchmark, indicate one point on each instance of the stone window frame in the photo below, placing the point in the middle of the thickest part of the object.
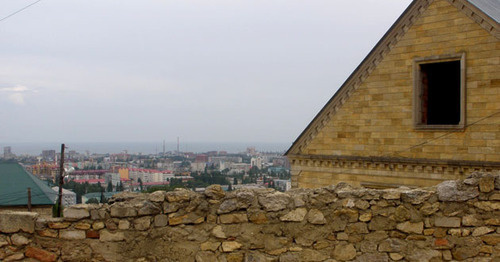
(417, 87)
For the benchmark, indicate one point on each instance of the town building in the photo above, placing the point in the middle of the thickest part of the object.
(14, 184)
(114, 178)
(422, 107)
(49, 155)
(7, 153)
(256, 162)
(68, 196)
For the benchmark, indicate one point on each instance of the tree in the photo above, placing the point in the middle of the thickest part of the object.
(229, 188)
(140, 183)
(119, 186)
(110, 187)
(103, 198)
(235, 181)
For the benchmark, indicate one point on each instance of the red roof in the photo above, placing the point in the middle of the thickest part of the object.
(90, 181)
(152, 183)
(150, 170)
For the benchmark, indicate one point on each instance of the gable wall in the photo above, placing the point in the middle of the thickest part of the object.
(377, 119)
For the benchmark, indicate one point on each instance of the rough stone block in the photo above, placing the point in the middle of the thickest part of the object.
(214, 192)
(415, 196)
(98, 225)
(190, 218)
(122, 210)
(428, 209)
(344, 252)
(447, 222)
(106, 236)
(142, 223)
(12, 222)
(218, 232)
(488, 205)
(233, 218)
(493, 222)
(471, 220)
(312, 255)
(491, 239)
(275, 201)
(19, 240)
(392, 245)
(92, 234)
(373, 257)
(454, 191)
(396, 256)
(357, 228)
(123, 224)
(411, 228)
(462, 253)
(157, 196)
(82, 225)
(351, 215)
(296, 215)
(210, 246)
(160, 220)
(59, 225)
(96, 214)
(76, 212)
(14, 257)
(48, 233)
(179, 195)
(365, 217)
(205, 256)
(482, 231)
(391, 194)
(316, 217)
(230, 246)
(258, 218)
(382, 223)
(148, 208)
(486, 184)
(40, 254)
(72, 234)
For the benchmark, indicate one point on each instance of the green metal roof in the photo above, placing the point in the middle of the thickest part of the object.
(14, 183)
(97, 195)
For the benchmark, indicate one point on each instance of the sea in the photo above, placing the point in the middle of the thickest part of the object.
(23, 148)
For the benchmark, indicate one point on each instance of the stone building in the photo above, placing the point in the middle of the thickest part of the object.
(422, 107)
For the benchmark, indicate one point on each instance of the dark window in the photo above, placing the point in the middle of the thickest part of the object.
(440, 93)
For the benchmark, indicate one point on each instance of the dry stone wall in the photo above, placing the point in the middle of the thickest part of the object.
(456, 220)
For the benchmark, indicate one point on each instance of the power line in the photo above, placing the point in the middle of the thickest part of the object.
(443, 135)
(20, 10)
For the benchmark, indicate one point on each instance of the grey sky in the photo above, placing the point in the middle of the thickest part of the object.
(219, 71)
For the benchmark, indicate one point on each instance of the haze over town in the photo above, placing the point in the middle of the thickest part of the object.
(217, 71)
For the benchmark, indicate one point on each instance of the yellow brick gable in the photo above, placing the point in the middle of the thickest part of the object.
(376, 119)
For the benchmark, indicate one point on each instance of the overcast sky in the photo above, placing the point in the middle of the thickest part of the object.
(204, 70)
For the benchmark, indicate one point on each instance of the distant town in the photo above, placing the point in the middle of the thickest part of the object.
(95, 177)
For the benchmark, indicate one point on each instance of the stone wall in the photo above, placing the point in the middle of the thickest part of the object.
(456, 220)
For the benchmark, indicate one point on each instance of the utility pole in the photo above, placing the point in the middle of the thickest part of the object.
(61, 181)
(29, 199)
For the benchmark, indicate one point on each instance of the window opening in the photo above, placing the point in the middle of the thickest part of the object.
(440, 93)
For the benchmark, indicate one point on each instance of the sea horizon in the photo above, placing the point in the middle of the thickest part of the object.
(35, 148)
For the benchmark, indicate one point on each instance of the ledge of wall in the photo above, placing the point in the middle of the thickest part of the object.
(456, 220)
